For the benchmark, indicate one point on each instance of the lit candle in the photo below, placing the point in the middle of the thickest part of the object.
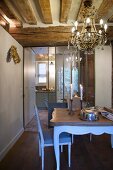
(105, 27)
(71, 91)
(101, 22)
(81, 92)
(73, 30)
(76, 24)
(88, 21)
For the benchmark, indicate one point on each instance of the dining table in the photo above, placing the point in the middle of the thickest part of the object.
(64, 121)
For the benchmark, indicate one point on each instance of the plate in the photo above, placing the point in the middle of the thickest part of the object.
(107, 115)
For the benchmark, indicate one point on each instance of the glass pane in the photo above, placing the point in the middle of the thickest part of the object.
(42, 69)
(67, 75)
(59, 73)
(42, 79)
(75, 80)
(52, 93)
(52, 68)
(70, 73)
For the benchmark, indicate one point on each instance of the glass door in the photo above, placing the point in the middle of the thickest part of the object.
(59, 74)
(51, 73)
(45, 76)
(66, 73)
(57, 68)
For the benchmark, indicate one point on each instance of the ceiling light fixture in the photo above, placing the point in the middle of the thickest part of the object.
(89, 37)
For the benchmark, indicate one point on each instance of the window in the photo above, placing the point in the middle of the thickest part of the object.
(42, 76)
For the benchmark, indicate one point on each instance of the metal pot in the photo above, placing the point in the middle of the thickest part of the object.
(89, 115)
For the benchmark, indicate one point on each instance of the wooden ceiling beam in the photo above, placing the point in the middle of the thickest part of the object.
(104, 9)
(13, 14)
(64, 10)
(41, 36)
(45, 36)
(6, 10)
(45, 11)
(9, 21)
(44, 40)
(79, 15)
(110, 15)
(4, 23)
(101, 6)
(8, 15)
(25, 10)
(110, 19)
(33, 30)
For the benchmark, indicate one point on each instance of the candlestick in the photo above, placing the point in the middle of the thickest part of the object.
(71, 91)
(81, 104)
(81, 92)
(71, 112)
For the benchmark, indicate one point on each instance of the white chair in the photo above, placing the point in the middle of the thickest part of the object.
(46, 139)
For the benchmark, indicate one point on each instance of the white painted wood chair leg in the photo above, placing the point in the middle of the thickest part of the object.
(69, 155)
(72, 139)
(39, 148)
(90, 137)
(42, 154)
(61, 148)
(112, 141)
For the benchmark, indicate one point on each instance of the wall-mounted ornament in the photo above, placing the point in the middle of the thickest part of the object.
(12, 53)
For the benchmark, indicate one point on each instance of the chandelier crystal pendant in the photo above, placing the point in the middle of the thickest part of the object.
(89, 37)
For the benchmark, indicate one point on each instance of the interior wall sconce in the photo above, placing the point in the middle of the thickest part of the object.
(12, 53)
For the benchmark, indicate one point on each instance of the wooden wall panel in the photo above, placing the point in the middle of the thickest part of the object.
(87, 78)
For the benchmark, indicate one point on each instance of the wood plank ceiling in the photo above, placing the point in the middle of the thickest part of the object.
(48, 22)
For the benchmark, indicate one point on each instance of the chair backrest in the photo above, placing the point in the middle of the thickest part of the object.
(76, 105)
(51, 107)
(40, 131)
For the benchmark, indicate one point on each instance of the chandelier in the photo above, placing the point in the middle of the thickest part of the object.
(89, 37)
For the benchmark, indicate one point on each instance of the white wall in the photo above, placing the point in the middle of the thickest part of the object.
(29, 85)
(11, 90)
(103, 76)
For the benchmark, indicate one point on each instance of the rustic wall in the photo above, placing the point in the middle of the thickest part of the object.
(11, 94)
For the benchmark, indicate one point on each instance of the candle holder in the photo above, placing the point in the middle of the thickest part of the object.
(81, 104)
(70, 107)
